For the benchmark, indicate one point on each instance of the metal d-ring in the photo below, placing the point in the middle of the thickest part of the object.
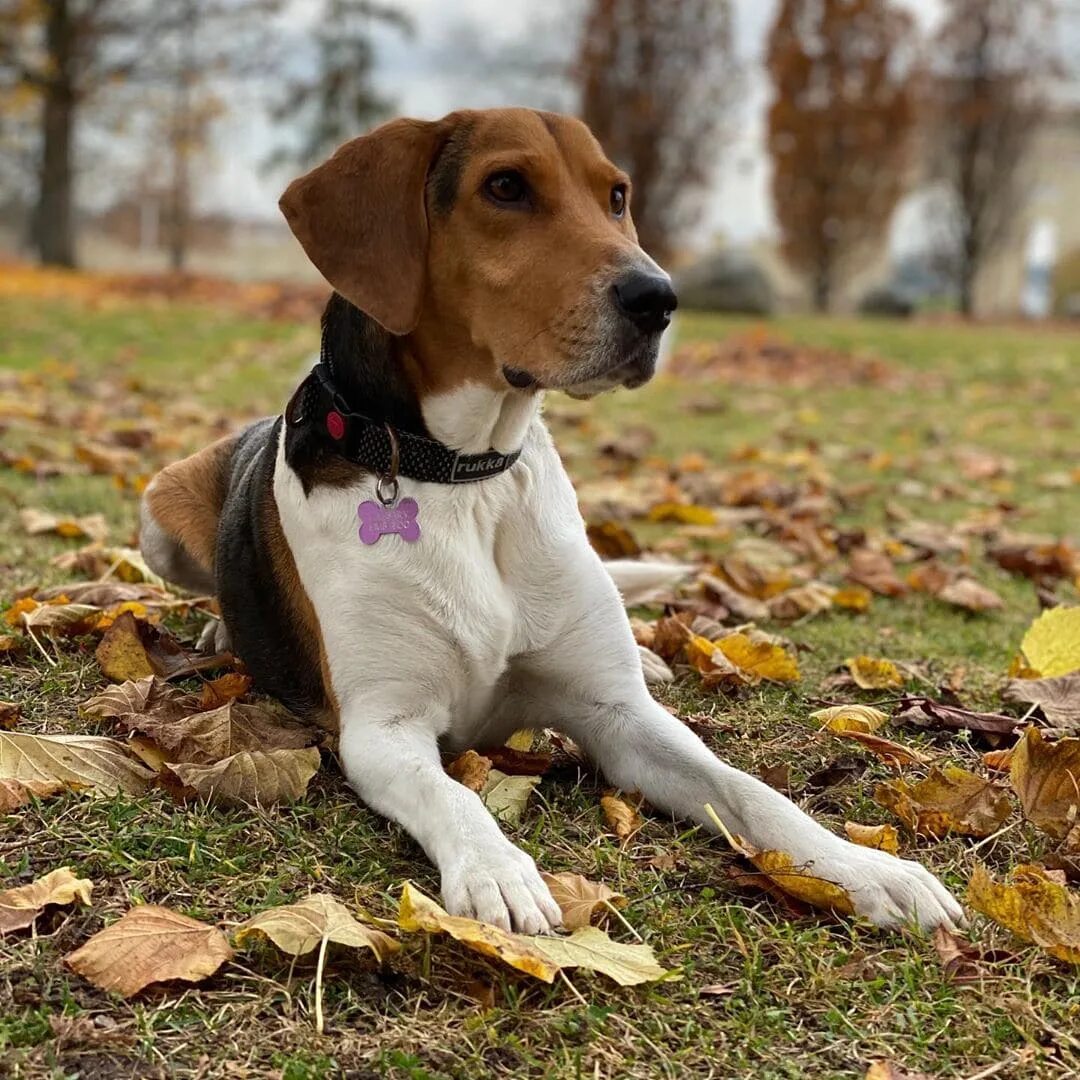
(386, 487)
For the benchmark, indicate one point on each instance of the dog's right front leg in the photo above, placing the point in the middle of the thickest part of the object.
(393, 764)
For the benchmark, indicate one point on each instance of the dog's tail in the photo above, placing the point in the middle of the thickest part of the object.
(641, 581)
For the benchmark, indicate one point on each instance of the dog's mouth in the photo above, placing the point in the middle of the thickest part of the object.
(629, 371)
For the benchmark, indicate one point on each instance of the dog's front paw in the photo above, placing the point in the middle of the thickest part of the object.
(499, 884)
(214, 638)
(893, 892)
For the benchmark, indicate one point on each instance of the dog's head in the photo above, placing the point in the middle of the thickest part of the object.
(499, 240)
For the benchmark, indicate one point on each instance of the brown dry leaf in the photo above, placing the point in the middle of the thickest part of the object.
(9, 715)
(19, 907)
(745, 608)
(420, 912)
(874, 674)
(68, 620)
(134, 649)
(515, 761)
(1046, 777)
(150, 944)
(759, 659)
(151, 695)
(893, 754)
(881, 837)
(889, 1070)
(670, 636)
(962, 960)
(969, 594)
(620, 817)
(11, 644)
(298, 928)
(949, 800)
(16, 793)
(1040, 560)
(874, 570)
(252, 777)
(758, 569)
(613, 540)
(780, 868)
(998, 760)
(228, 687)
(203, 738)
(1058, 698)
(924, 712)
(802, 602)
(470, 769)
(79, 761)
(1033, 906)
(591, 949)
(840, 718)
(580, 899)
(38, 522)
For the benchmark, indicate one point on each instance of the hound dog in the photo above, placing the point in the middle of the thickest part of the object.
(401, 553)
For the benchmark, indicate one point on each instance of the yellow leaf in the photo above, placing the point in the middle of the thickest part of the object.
(506, 796)
(521, 740)
(298, 928)
(1052, 643)
(592, 949)
(760, 659)
(253, 777)
(949, 800)
(852, 598)
(19, 907)
(580, 900)
(881, 837)
(470, 769)
(780, 868)
(37, 522)
(840, 718)
(1046, 777)
(1033, 906)
(873, 674)
(893, 754)
(150, 944)
(420, 912)
(684, 513)
(81, 761)
(620, 817)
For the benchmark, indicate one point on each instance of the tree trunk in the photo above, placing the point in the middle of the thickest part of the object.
(966, 272)
(822, 291)
(54, 233)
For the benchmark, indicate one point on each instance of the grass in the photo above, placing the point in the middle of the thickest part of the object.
(786, 998)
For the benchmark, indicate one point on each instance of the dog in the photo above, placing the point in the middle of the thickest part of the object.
(401, 555)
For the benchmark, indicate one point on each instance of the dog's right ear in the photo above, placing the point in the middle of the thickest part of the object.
(361, 219)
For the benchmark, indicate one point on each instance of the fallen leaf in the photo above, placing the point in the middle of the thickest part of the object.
(889, 1070)
(962, 960)
(134, 649)
(613, 540)
(593, 950)
(516, 761)
(683, 513)
(1046, 778)
(1052, 643)
(507, 796)
(893, 754)
(150, 944)
(16, 793)
(298, 928)
(9, 715)
(759, 659)
(80, 761)
(1033, 906)
(949, 800)
(470, 769)
(203, 738)
(419, 912)
(580, 899)
(11, 644)
(69, 620)
(780, 868)
(620, 817)
(744, 607)
(1058, 698)
(874, 570)
(969, 594)
(852, 598)
(873, 674)
(924, 712)
(150, 695)
(998, 760)
(252, 777)
(709, 659)
(1034, 558)
(19, 907)
(223, 689)
(881, 837)
(802, 602)
(38, 522)
(841, 718)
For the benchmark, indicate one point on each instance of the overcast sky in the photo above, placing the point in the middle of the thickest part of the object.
(435, 72)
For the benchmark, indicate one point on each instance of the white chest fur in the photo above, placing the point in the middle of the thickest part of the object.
(440, 619)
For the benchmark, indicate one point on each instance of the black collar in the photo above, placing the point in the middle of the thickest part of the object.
(374, 444)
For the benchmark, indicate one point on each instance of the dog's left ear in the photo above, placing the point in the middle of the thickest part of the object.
(361, 219)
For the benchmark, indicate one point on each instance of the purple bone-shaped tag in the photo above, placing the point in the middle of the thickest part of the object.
(377, 520)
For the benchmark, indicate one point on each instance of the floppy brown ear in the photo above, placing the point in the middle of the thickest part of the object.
(361, 219)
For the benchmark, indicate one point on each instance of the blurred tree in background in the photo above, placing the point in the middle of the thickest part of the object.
(990, 62)
(655, 80)
(338, 100)
(839, 130)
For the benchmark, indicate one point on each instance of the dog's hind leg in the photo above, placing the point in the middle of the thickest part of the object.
(178, 523)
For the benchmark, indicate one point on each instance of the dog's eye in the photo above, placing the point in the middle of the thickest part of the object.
(507, 187)
(618, 200)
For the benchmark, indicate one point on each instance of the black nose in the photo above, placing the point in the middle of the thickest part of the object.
(647, 300)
